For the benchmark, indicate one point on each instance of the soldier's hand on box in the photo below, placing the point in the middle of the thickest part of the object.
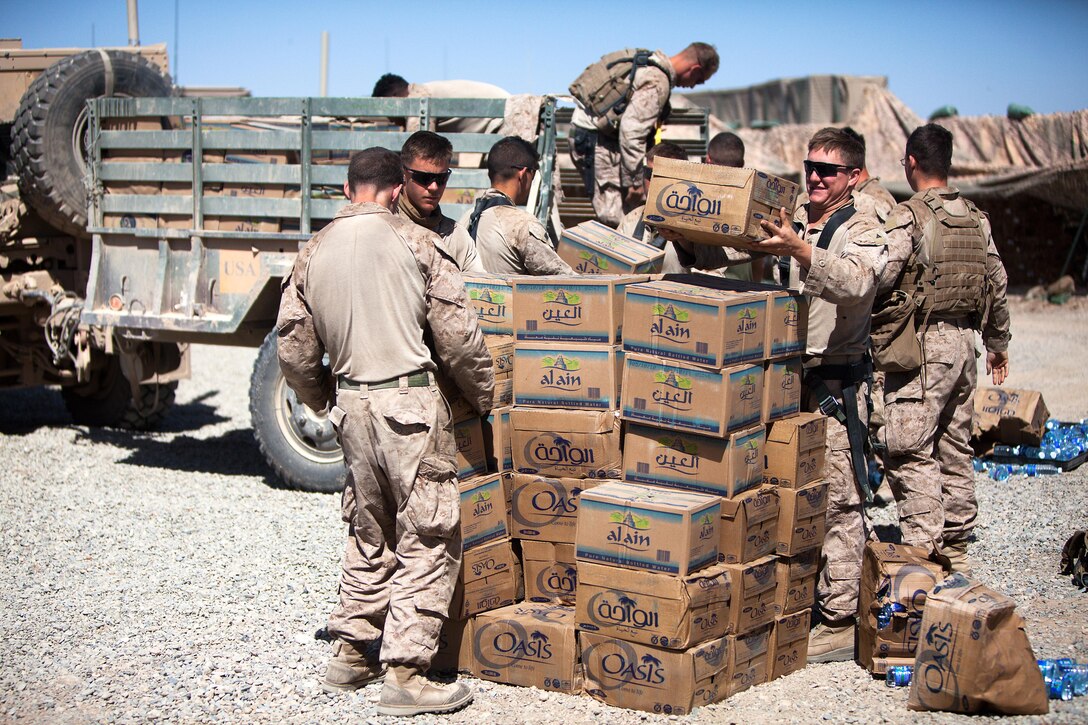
(998, 364)
(783, 240)
(671, 235)
(635, 195)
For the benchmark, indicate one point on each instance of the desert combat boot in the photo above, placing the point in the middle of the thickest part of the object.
(832, 642)
(349, 669)
(960, 562)
(407, 691)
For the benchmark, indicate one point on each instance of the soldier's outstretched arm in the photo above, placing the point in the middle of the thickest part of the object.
(455, 330)
(996, 331)
(299, 349)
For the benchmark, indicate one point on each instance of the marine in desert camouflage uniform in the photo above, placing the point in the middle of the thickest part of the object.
(509, 239)
(841, 281)
(618, 158)
(380, 297)
(426, 158)
(928, 411)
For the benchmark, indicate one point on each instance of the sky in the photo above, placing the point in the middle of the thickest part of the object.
(977, 56)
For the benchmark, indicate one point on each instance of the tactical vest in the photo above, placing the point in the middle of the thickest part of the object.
(605, 88)
(948, 277)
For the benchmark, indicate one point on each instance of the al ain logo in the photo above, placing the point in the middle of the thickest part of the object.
(560, 372)
(591, 263)
(706, 526)
(676, 390)
(562, 307)
(670, 322)
(748, 386)
(751, 453)
(790, 317)
(481, 503)
(629, 530)
(746, 321)
(678, 455)
(490, 305)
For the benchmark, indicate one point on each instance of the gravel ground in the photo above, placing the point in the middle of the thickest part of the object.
(164, 577)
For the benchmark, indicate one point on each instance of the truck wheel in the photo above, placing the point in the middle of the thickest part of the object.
(49, 134)
(107, 401)
(299, 444)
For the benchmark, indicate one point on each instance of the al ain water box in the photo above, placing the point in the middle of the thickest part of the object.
(748, 655)
(749, 526)
(492, 297)
(753, 588)
(691, 462)
(483, 511)
(788, 650)
(795, 450)
(699, 325)
(570, 308)
(716, 204)
(546, 509)
(592, 248)
(802, 521)
(528, 644)
(567, 375)
(498, 440)
(688, 397)
(658, 609)
(796, 582)
(468, 435)
(551, 572)
(570, 443)
(786, 321)
(642, 527)
(781, 388)
(643, 677)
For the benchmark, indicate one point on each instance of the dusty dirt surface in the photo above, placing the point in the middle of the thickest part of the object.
(165, 578)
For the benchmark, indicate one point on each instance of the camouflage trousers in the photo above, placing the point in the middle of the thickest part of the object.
(402, 508)
(607, 192)
(928, 436)
(847, 525)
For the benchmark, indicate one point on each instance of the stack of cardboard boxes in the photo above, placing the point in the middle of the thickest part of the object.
(693, 577)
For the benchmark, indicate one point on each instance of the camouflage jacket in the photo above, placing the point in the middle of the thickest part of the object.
(449, 325)
(510, 240)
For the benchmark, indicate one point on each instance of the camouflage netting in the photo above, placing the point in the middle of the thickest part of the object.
(1029, 175)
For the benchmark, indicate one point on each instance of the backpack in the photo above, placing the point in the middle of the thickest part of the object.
(605, 88)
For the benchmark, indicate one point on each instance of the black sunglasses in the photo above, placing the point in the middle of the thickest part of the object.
(426, 178)
(824, 169)
(647, 172)
(531, 169)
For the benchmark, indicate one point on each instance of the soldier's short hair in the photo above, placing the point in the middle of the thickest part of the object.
(389, 85)
(376, 167)
(931, 147)
(508, 155)
(726, 149)
(426, 145)
(836, 140)
(666, 150)
(706, 55)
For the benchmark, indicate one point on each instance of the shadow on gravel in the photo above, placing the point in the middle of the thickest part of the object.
(888, 533)
(191, 416)
(25, 410)
(235, 453)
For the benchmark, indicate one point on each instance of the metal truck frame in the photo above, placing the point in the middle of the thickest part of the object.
(198, 207)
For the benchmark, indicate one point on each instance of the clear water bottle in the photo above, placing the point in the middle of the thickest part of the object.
(898, 676)
(887, 613)
(980, 465)
(1041, 469)
(1001, 472)
(1004, 450)
(1078, 673)
(1060, 687)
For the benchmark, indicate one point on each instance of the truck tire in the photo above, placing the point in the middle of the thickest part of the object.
(301, 446)
(48, 136)
(107, 401)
